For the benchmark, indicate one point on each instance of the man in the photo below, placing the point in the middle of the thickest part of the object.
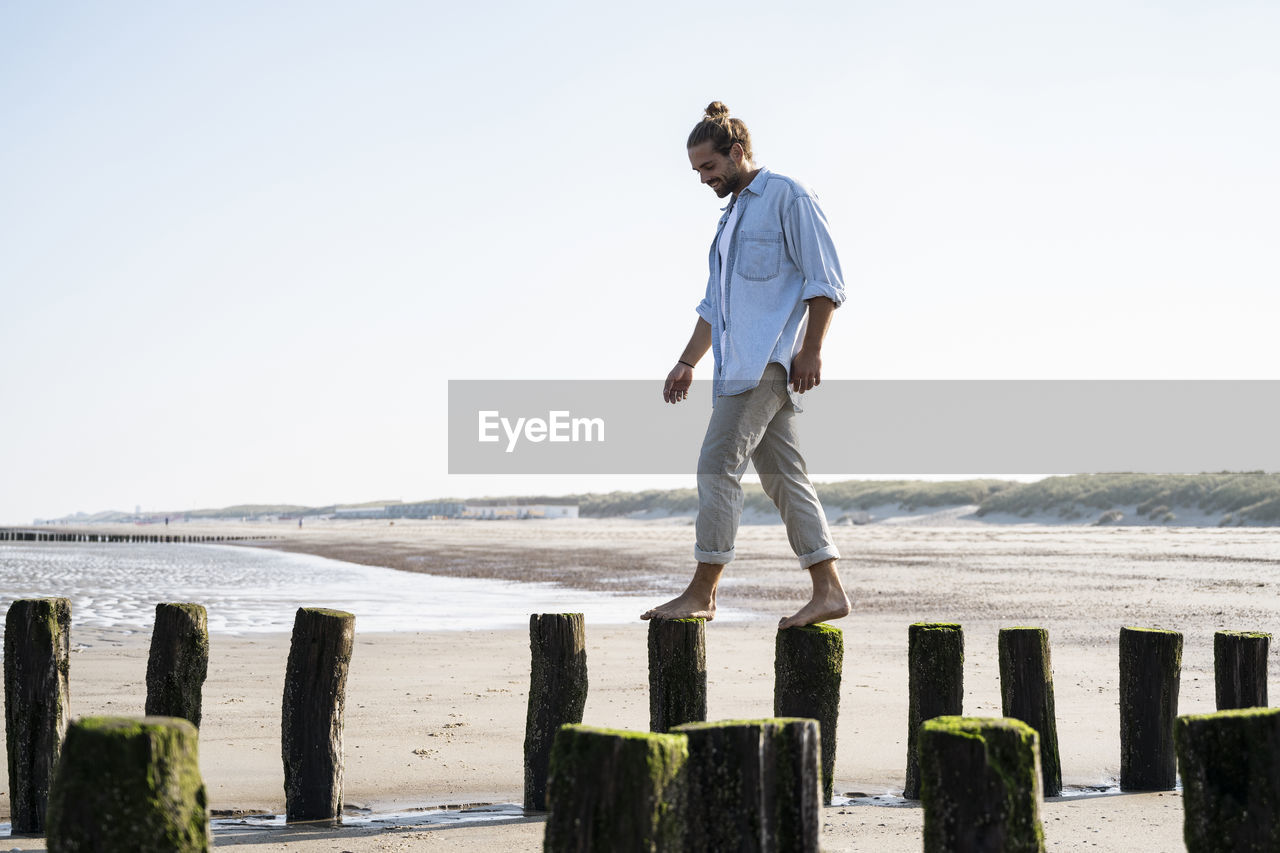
(774, 284)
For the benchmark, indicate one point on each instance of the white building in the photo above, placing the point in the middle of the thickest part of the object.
(500, 509)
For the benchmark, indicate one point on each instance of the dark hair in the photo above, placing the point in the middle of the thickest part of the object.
(721, 131)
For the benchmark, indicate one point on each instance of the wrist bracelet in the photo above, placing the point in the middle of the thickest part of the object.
(685, 363)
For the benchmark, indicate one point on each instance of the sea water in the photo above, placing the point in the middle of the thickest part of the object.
(248, 590)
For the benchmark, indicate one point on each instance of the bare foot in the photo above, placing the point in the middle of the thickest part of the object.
(688, 606)
(828, 601)
(698, 601)
(833, 605)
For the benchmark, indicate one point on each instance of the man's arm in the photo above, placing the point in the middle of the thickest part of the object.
(811, 248)
(681, 376)
(806, 367)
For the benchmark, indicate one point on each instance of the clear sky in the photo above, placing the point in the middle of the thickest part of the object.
(243, 246)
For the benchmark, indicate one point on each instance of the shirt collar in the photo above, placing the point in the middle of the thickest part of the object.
(756, 187)
(757, 183)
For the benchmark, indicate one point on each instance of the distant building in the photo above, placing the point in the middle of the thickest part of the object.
(360, 512)
(520, 509)
(439, 509)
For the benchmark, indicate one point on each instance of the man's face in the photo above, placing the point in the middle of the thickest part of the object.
(722, 173)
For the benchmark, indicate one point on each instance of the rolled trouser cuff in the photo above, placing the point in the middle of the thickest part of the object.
(828, 552)
(718, 557)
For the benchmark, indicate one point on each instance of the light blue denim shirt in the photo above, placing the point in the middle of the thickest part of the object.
(780, 254)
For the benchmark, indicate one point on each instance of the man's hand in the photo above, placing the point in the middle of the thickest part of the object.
(678, 382)
(806, 370)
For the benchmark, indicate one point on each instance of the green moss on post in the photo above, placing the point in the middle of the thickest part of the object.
(129, 784)
(677, 672)
(616, 790)
(315, 696)
(1240, 669)
(807, 665)
(1026, 691)
(1150, 673)
(37, 637)
(178, 662)
(557, 693)
(754, 785)
(1230, 765)
(980, 785)
(935, 675)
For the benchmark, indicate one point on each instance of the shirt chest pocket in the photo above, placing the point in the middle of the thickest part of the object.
(759, 255)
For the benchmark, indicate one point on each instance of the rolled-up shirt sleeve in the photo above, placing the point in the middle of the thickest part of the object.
(706, 309)
(810, 246)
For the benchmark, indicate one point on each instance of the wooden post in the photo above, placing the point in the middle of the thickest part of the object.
(129, 784)
(557, 693)
(615, 790)
(935, 675)
(1230, 796)
(37, 638)
(1026, 691)
(677, 672)
(1150, 670)
(980, 785)
(754, 785)
(315, 687)
(807, 665)
(1240, 669)
(179, 661)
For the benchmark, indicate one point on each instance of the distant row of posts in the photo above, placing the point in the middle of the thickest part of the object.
(10, 534)
(688, 783)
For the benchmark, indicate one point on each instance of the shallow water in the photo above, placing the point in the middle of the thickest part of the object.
(254, 590)
(234, 830)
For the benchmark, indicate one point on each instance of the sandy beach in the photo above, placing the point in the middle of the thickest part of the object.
(435, 718)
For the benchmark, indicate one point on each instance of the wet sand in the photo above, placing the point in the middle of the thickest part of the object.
(437, 718)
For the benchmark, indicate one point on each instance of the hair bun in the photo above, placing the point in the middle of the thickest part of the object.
(716, 110)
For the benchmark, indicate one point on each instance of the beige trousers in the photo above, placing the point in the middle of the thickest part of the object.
(757, 426)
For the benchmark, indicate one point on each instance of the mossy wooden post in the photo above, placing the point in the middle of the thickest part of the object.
(1150, 671)
(677, 672)
(129, 784)
(807, 665)
(37, 638)
(616, 790)
(557, 693)
(1026, 691)
(179, 662)
(1230, 766)
(980, 785)
(935, 685)
(754, 785)
(315, 695)
(1240, 669)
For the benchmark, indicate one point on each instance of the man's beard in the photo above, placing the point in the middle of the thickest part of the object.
(730, 182)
